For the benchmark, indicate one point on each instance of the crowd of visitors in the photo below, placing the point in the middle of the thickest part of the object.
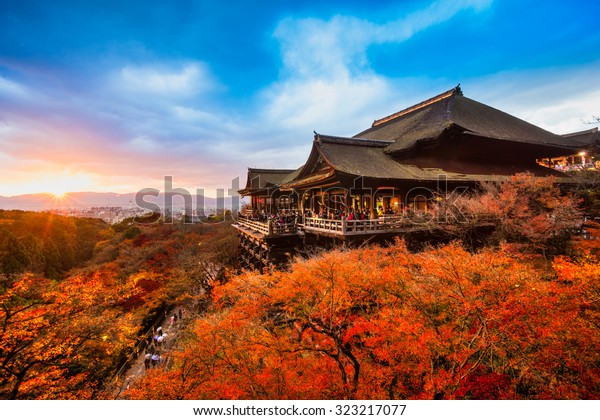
(156, 342)
(284, 217)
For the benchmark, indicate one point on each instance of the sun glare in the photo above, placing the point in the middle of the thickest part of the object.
(58, 185)
(58, 195)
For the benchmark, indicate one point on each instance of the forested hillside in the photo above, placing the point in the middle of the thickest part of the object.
(381, 323)
(515, 314)
(66, 338)
(510, 314)
(46, 243)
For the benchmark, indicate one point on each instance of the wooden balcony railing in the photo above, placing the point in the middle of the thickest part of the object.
(357, 227)
(269, 228)
(342, 227)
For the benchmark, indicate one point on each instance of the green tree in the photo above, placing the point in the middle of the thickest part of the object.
(13, 255)
(35, 250)
(52, 259)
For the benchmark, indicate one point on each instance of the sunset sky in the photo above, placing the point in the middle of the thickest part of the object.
(115, 95)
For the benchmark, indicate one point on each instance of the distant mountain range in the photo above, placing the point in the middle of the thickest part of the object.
(86, 200)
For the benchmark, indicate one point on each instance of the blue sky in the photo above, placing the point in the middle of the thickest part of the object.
(114, 95)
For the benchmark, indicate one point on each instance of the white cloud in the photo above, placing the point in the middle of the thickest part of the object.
(143, 143)
(13, 89)
(187, 80)
(556, 99)
(315, 47)
(193, 115)
(328, 84)
(155, 113)
(329, 106)
(5, 128)
(566, 116)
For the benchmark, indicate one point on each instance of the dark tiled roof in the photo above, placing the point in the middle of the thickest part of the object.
(457, 122)
(351, 141)
(455, 91)
(259, 179)
(370, 160)
(429, 119)
(291, 176)
(582, 138)
(358, 157)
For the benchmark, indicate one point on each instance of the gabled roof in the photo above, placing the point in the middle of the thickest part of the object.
(582, 139)
(429, 119)
(292, 175)
(261, 179)
(333, 155)
(359, 157)
(456, 125)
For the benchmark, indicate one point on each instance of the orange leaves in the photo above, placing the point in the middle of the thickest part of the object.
(537, 212)
(589, 248)
(60, 337)
(385, 323)
(52, 336)
(527, 210)
(585, 275)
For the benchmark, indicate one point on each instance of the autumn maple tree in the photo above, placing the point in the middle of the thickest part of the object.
(514, 317)
(526, 210)
(381, 323)
(58, 339)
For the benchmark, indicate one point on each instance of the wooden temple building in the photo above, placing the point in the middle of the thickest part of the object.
(361, 187)
(586, 143)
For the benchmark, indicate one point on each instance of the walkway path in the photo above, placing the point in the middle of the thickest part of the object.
(137, 368)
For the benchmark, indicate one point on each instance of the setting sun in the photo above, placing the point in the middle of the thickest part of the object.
(59, 195)
(59, 184)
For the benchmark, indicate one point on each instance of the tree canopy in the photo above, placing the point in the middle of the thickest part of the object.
(383, 323)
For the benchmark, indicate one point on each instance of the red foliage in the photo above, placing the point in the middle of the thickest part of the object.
(485, 386)
(52, 335)
(385, 323)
